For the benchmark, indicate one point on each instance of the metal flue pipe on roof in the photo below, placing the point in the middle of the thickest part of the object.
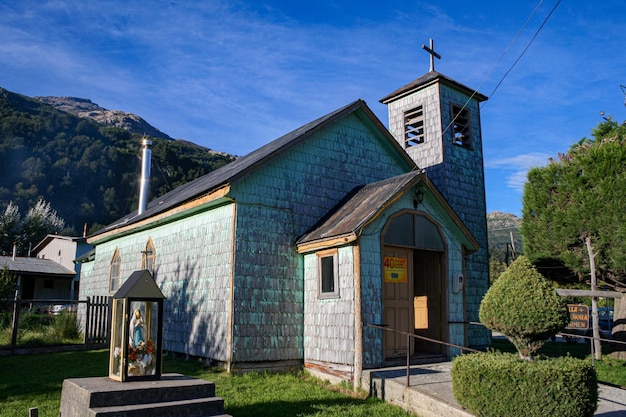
(144, 186)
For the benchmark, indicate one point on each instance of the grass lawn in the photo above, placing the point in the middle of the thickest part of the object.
(35, 381)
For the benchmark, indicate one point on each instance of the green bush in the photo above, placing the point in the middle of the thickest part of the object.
(500, 384)
(65, 326)
(524, 306)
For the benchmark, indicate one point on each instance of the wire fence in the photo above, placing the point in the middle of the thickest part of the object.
(40, 323)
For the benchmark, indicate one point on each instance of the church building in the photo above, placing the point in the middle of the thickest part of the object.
(325, 247)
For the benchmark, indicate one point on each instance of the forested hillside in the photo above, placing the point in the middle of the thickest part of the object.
(501, 227)
(86, 170)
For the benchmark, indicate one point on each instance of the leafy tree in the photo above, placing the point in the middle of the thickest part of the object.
(7, 283)
(580, 195)
(523, 306)
(9, 227)
(40, 221)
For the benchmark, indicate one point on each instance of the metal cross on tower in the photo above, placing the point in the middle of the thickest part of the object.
(432, 53)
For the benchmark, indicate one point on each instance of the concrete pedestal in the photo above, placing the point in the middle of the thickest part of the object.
(172, 395)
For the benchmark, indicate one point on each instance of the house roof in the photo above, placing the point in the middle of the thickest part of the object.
(249, 163)
(139, 284)
(35, 266)
(431, 78)
(49, 238)
(348, 219)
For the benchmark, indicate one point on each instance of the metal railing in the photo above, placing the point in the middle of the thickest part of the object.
(415, 336)
(465, 348)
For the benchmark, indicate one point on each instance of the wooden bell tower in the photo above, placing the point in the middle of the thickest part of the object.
(437, 121)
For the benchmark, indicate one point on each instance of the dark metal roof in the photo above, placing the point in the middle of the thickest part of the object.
(139, 284)
(35, 266)
(429, 78)
(360, 207)
(86, 257)
(249, 163)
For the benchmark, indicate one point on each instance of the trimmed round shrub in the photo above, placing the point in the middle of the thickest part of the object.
(500, 384)
(524, 306)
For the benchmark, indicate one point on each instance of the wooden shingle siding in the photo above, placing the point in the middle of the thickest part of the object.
(193, 271)
(371, 278)
(276, 205)
(329, 323)
(456, 171)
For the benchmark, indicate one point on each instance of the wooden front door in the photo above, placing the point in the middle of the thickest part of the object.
(398, 305)
(430, 282)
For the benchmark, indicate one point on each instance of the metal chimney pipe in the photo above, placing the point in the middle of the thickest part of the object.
(146, 154)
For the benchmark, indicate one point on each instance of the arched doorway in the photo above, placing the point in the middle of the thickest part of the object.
(414, 284)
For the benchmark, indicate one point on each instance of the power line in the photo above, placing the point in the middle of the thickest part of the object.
(527, 46)
(500, 59)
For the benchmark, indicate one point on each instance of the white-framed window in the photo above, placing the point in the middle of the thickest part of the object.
(328, 274)
(148, 255)
(461, 126)
(114, 275)
(414, 127)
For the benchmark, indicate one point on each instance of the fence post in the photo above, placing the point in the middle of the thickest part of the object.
(16, 313)
(87, 323)
(408, 360)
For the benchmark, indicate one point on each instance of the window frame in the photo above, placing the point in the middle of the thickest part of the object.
(148, 257)
(320, 256)
(461, 124)
(414, 126)
(115, 267)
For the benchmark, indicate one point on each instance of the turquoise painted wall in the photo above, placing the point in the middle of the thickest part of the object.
(371, 275)
(193, 269)
(275, 206)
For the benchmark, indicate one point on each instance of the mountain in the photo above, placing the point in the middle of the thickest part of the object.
(85, 160)
(85, 108)
(500, 228)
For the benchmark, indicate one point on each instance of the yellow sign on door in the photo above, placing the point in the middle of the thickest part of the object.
(395, 270)
(420, 309)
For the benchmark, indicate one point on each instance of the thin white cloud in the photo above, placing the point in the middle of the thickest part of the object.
(516, 167)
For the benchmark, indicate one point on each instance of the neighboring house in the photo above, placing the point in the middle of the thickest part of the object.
(284, 256)
(64, 250)
(40, 279)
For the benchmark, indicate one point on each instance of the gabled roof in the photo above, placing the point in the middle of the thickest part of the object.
(430, 78)
(35, 266)
(49, 238)
(347, 220)
(139, 284)
(245, 165)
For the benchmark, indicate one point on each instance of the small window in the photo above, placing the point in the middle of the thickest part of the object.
(114, 278)
(328, 274)
(148, 256)
(414, 127)
(461, 128)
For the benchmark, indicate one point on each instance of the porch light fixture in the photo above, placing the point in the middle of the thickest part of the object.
(418, 197)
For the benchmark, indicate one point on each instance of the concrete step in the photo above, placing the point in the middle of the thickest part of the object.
(200, 407)
(133, 393)
(173, 395)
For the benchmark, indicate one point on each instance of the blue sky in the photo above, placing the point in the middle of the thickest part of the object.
(234, 75)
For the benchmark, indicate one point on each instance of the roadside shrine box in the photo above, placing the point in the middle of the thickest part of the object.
(136, 330)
